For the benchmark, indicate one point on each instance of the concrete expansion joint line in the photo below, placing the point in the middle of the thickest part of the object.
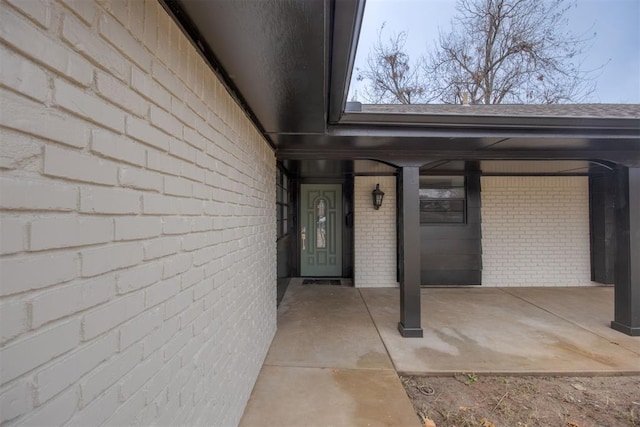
(312, 368)
(375, 325)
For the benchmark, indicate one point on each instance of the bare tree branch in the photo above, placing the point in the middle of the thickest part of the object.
(509, 51)
(389, 76)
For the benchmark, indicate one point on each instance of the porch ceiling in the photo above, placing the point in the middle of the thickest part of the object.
(289, 63)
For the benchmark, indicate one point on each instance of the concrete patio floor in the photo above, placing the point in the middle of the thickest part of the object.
(507, 330)
(327, 366)
(336, 355)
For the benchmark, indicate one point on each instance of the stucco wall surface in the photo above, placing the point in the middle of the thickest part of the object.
(375, 233)
(137, 203)
(535, 231)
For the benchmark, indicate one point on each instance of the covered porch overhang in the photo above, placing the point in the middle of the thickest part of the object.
(292, 82)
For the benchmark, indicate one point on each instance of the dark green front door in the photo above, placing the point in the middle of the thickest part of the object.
(321, 230)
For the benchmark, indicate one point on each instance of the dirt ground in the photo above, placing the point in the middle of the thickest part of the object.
(496, 401)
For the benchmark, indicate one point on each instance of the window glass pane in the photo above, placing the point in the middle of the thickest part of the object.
(442, 205)
(442, 199)
(442, 211)
(442, 193)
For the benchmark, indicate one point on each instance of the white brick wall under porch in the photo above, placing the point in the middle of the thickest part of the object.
(375, 233)
(535, 231)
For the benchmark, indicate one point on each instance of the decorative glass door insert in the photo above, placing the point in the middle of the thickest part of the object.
(321, 230)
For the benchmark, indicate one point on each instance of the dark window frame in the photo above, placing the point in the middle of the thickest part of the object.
(445, 204)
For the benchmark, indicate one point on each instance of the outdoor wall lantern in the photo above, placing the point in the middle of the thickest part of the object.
(377, 197)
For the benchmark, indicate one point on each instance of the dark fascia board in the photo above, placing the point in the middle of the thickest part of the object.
(624, 127)
(346, 21)
(399, 157)
(483, 130)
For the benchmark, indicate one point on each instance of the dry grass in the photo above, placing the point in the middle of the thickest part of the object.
(467, 400)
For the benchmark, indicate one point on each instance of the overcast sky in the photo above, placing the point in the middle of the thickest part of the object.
(615, 22)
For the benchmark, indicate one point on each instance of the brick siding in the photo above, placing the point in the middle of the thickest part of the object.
(137, 203)
(535, 231)
(375, 233)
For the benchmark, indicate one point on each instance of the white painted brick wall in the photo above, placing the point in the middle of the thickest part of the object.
(137, 221)
(375, 233)
(535, 231)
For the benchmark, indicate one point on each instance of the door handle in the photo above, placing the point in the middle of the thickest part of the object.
(304, 237)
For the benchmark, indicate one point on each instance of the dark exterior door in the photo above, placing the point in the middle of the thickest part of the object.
(321, 230)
